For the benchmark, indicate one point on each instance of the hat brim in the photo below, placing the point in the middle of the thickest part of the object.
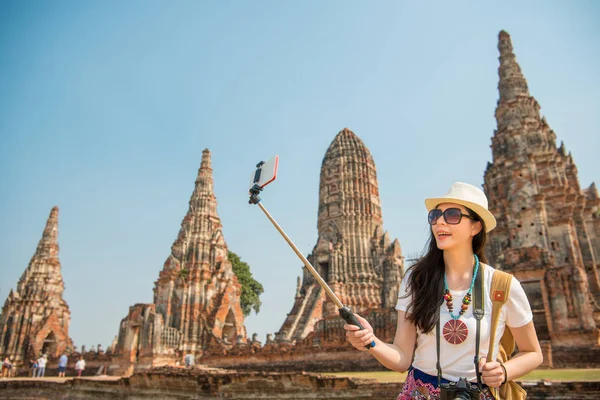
(484, 214)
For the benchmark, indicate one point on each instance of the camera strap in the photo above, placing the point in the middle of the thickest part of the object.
(478, 313)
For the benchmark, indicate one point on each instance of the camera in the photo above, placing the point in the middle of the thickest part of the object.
(461, 390)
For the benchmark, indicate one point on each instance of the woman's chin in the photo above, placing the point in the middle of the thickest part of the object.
(443, 244)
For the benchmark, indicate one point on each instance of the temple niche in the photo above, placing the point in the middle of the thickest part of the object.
(196, 297)
(35, 317)
(353, 254)
(548, 227)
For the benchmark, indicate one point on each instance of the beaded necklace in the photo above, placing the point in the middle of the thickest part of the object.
(456, 331)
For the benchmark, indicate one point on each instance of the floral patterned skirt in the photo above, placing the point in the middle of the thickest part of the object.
(422, 386)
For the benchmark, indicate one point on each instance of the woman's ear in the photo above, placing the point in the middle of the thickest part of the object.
(476, 228)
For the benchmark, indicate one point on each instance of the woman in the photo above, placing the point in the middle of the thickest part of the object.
(459, 223)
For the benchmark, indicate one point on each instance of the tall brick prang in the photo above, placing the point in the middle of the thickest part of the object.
(197, 291)
(548, 227)
(353, 254)
(35, 318)
(197, 295)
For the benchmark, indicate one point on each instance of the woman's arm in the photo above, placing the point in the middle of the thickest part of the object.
(529, 356)
(396, 356)
(526, 360)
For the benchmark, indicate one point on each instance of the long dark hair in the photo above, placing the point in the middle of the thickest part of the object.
(425, 284)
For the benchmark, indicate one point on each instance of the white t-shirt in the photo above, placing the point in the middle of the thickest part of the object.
(457, 359)
(80, 364)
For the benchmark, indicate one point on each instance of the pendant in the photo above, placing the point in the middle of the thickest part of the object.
(455, 331)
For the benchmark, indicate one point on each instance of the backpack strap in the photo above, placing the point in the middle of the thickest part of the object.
(499, 292)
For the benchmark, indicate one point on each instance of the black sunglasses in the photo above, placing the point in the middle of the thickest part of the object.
(452, 216)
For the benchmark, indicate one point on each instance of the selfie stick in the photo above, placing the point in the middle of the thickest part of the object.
(345, 311)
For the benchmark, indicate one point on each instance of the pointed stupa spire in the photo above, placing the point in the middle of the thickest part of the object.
(43, 274)
(521, 129)
(197, 293)
(562, 149)
(591, 192)
(203, 200)
(201, 221)
(205, 165)
(512, 82)
(533, 190)
(204, 181)
(35, 318)
(48, 244)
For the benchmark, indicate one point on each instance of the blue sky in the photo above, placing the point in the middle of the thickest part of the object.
(106, 106)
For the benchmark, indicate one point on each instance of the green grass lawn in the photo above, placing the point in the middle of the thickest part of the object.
(538, 374)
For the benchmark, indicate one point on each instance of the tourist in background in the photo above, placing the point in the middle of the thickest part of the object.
(189, 360)
(62, 365)
(459, 223)
(41, 368)
(34, 366)
(80, 366)
(6, 367)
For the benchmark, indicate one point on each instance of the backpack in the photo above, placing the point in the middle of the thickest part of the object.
(499, 293)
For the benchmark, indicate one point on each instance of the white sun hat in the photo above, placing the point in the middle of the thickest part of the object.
(468, 196)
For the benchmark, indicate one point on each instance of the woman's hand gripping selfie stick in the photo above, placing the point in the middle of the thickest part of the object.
(345, 312)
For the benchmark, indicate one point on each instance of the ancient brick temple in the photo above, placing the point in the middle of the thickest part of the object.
(548, 232)
(35, 317)
(197, 295)
(353, 254)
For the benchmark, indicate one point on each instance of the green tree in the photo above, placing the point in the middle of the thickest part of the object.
(251, 288)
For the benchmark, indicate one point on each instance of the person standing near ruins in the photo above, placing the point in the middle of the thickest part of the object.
(34, 366)
(62, 365)
(6, 367)
(459, 223)
(189, 360)
(41, 369)
(80, 366)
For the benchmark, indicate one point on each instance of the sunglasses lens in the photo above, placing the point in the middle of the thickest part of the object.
(433, 216)
(452, 215)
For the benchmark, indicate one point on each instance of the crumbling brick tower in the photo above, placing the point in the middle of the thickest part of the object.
(197, 291)
(353, 254)
(197, 295)
(548, 227)
(35, 318)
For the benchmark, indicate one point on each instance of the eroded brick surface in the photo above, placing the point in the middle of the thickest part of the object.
(196, 297)
(35, 317)
(548, 232)
(353, 254)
